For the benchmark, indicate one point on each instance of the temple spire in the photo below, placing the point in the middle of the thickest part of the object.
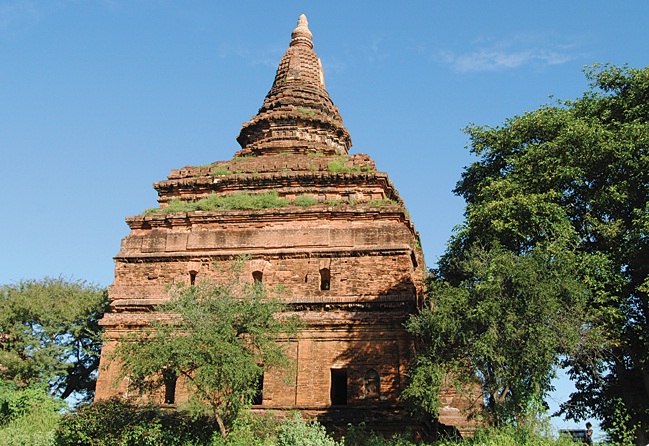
(301, 35)
(298, 115)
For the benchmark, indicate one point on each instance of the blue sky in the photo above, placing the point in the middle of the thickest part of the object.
(99, 99)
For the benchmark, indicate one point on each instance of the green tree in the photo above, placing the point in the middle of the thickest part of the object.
(576, 171)
(49, 333)
(499, 319)
(219, 337)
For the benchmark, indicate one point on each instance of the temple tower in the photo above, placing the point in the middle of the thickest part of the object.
(342, 245)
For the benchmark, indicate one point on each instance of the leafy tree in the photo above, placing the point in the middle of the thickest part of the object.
(501, 320)
(574, 173)
(219, 337)
(49, 333)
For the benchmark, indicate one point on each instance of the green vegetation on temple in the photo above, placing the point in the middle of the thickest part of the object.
(339, 164)
(243, 200)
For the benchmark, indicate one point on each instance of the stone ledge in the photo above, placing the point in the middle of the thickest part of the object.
(360, 187)
(287, 213)
(336, 320)
(272, 163)
(296, 253)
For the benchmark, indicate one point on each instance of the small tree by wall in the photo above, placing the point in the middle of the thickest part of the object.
(219, 337)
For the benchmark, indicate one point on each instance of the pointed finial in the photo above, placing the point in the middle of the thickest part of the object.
(301, 34)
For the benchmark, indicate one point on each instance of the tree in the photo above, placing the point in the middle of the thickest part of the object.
(219, 337)
(501, 320)
(49, 333)
(576, 171)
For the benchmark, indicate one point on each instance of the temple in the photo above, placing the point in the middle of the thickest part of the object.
(342, 245)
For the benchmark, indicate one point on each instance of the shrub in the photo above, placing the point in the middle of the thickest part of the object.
(383, 202)
(297, 432)
(118, 422)
(34, 429)
(305, 200)
(175, 205)
(28, 417)
(265, 430)
(220, 171)
(16, 403)
(251, 430)
(338, 166)
(239, 200)
(360, 436)
(508, 436)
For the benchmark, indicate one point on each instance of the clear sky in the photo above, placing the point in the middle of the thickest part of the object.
(99, 99)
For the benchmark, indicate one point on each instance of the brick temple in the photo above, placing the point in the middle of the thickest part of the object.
(344, 248)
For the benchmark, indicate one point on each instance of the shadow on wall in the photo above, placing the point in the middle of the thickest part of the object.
(367, 377)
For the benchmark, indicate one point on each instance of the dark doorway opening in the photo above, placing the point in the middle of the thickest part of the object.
(170, 378)
(338, 387)
(257, 276)
(325, 279)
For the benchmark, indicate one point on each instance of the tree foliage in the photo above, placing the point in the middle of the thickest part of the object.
(499, 319)
(49, 333)
(218, 337)
(568, 183)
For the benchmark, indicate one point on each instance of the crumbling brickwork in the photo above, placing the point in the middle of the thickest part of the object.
(349, 256)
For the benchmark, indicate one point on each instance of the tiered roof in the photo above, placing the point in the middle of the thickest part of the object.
(295, 146)
(298, 115)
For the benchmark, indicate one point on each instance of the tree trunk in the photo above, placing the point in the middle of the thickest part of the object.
(222, 429)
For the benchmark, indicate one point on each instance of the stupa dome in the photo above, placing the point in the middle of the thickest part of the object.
(297, 116)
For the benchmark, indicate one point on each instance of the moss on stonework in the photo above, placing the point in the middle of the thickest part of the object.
(306, 111)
